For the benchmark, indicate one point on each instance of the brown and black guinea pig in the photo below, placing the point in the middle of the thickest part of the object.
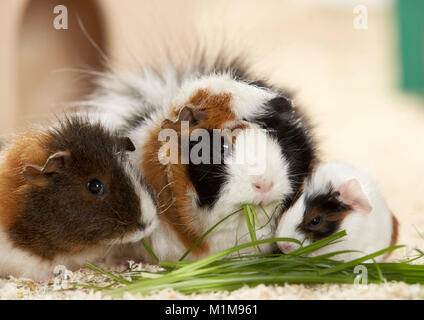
(68, 195)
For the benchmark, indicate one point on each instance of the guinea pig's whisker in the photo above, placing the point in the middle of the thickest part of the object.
(121, 223)
(120, 219)
(111, 246)
(298, 174)
(204, 175)
(166, 204)
(116, 212)
(170, 205)
(209, 172)
(295, 150)
(167, 185)
(83, 71)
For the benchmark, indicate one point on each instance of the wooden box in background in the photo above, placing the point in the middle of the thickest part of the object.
(36, 59)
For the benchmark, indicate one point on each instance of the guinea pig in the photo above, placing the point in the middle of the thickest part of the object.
(68, 195)
(338, 197)
(254, 121)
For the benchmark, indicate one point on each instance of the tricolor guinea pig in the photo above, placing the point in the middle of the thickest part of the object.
(259, 149)
(338, 197)
(68, 194)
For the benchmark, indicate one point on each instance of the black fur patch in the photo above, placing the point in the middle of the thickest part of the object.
(330, 210)
(284, 123)
(207, 178)
(224, 61)
(280, 119)
(63, 217)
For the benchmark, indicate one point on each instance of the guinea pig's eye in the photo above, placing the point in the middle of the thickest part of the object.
(315, 221)
(96, 187)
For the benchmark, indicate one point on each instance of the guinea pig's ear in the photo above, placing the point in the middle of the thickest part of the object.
(351, 194)
(56, 163)
(193, 115)
(128, 144)
(281, 104)
(190, 114)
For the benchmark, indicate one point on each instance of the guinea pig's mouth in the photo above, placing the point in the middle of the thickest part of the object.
(142, 231)
(263, 200)
(133, 237)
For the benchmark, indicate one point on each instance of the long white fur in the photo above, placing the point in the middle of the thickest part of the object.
(366, 233)
(121, 95)
(20, 263)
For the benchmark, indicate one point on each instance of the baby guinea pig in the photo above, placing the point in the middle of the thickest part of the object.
(68, 194)
(340, 197)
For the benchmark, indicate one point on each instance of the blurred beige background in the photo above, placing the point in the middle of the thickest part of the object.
(346, 79)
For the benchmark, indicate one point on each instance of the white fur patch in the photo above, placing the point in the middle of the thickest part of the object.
(246, 99)
(20, 263)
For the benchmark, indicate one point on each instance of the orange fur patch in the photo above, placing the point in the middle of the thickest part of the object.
(24, 150)
(217, 108)
(395, 230)
(171, 185)
(171, 181)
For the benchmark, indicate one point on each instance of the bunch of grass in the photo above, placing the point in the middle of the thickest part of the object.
(228, 271)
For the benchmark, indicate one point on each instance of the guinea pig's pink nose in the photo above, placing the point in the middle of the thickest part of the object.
(263, 186)
(285, 247)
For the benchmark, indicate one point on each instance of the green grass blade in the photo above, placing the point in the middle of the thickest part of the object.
(359, 260)
(206, 233)
(319, 244)
(225, 271)
(149, 250)
(250, 222)
(223, 253)
(108, 274)
(264, 211)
